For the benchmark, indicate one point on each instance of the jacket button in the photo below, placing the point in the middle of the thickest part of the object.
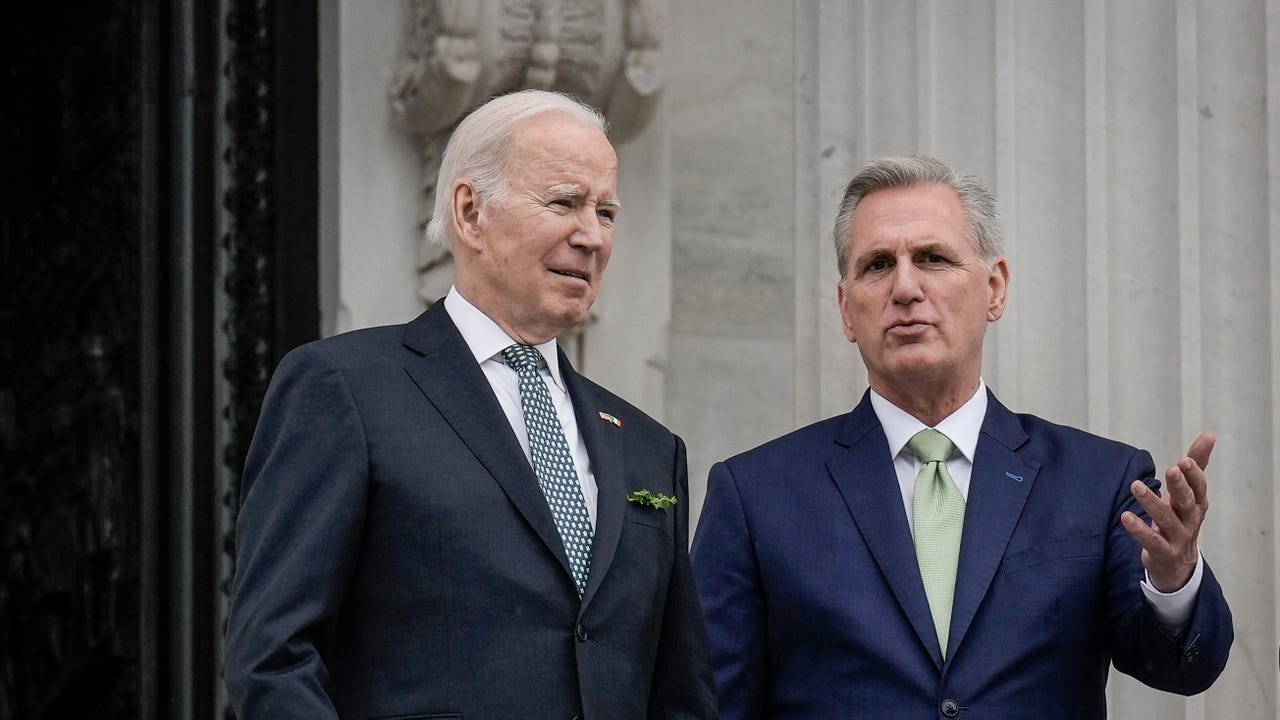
(581, 632)
(949, 708)
(1192, 650)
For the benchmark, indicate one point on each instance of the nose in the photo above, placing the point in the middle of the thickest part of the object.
(906, 283)
(591, 233)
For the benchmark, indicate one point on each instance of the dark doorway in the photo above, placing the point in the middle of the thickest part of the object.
(157, 257)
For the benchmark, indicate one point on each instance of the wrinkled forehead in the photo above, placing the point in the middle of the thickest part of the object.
(563, 154)
(913, 214)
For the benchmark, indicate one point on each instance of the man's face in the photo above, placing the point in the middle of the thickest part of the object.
(533, 260)
(916, 297)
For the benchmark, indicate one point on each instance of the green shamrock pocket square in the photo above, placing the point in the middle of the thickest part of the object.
(657, 501)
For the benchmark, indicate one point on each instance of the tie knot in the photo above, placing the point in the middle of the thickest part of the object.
(931, 446)
(520, 357)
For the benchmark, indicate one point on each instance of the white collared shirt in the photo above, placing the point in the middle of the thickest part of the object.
(963, 427)
(487, 340)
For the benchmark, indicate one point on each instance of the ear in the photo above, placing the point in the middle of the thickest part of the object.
(998, 283)
(845, 313)
(464, 214)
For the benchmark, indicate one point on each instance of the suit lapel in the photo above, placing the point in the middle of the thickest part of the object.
(866, 479)
(998, 489)
(448, 375)
(604, 446)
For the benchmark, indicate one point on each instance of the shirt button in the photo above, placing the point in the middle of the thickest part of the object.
(949, 708)
(581, 632)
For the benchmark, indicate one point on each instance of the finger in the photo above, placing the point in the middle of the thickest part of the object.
(1152, 542)
(1159, 558)
(1167, 523)
(1201, 448)
(1197, 480)
(1179, 493)
(1197, 485)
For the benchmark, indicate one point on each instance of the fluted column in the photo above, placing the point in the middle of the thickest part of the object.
(1139, 168)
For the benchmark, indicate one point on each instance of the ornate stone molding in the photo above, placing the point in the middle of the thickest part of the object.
(460, 52)
(249, 240)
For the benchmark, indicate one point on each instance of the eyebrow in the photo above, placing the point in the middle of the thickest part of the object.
(872, 253)
(933, 246)
(567, 190)
(574, 191)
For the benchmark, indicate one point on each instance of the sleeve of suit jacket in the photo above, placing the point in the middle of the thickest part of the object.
(298, 530)
(729, 585)
(682, 683)
(1187, 663)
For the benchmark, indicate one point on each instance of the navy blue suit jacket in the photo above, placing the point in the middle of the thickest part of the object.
(815, 607)
(396, 557)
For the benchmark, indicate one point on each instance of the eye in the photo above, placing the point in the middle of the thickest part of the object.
(934, 259)
(563, 202)
(876, 265)
(608, 214)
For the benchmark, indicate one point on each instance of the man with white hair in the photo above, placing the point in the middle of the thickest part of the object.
(443, 519)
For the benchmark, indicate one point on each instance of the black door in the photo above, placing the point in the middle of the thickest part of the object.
(157, 257)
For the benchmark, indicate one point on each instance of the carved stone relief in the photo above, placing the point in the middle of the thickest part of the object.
(460, 52)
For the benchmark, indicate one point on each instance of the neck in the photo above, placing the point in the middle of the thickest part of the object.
(925, 402)
(501, 313)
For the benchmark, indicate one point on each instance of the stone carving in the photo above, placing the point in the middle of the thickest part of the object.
(460, 52)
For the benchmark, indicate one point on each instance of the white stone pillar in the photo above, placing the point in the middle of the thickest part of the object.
(1137, 163)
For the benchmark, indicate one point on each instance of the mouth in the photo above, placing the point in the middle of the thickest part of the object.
(909, 327)
(575, 274)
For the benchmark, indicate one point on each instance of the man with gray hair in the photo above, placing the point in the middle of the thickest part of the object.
(932, 554)
(443, 519)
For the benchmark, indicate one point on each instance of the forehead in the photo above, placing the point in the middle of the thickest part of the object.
(922, 213)
(554, 149)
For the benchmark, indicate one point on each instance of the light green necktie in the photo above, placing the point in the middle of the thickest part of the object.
(937, 514)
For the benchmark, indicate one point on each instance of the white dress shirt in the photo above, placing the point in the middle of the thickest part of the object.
(487, 341)
(963, 427)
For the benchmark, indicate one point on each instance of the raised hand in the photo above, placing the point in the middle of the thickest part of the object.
(1169, 543)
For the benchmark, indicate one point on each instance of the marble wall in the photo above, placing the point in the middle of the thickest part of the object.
(1133, 149)
(1139, 167)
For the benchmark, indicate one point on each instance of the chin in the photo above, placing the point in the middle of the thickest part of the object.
(915, 367)
(568, 318)
(576, 308)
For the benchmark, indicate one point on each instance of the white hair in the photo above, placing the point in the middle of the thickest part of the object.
(478, 148)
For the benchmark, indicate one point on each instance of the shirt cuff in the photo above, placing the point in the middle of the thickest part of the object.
(1174, 609)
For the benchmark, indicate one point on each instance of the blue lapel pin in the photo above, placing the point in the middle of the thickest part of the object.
(1011, 476)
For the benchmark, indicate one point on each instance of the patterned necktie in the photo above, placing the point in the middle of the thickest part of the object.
(552, 463)
(938, 517)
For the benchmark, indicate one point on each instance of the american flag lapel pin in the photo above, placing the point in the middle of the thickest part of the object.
(610, 418)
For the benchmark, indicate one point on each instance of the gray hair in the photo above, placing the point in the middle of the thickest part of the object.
(986, 227)
(478, 148)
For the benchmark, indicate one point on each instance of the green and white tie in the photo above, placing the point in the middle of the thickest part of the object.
(937, 515)
(552, 463)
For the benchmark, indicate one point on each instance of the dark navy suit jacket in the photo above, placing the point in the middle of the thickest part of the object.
(396, 557)
(815, 607)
